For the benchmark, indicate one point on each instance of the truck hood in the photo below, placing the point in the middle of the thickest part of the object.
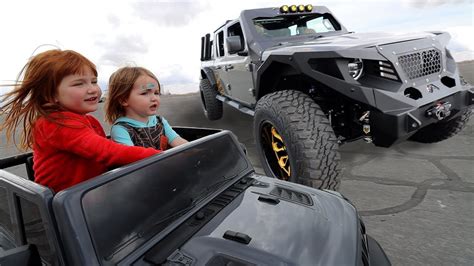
(290, 232)
(350, 41)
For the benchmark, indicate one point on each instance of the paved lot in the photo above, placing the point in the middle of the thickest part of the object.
(416, 199)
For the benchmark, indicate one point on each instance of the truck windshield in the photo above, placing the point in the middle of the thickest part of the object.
(125, 212)
(296, 25)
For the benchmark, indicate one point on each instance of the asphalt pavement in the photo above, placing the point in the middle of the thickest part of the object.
(417, 200)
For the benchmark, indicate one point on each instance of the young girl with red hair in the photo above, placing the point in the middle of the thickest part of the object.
(50, 103)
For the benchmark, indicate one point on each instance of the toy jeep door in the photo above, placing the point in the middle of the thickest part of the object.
(26, 218)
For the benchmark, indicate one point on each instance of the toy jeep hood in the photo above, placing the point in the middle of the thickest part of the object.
(270, 216)
(357, 41)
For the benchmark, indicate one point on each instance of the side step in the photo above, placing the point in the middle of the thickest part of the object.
(236, 105)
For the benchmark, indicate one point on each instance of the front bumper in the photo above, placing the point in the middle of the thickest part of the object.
(391, 127)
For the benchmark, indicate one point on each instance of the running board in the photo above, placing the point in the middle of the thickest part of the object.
(236, 105)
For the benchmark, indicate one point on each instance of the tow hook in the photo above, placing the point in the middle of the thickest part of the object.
(440, 111)
(366, 126)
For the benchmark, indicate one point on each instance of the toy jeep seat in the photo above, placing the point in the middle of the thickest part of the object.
(25, 158)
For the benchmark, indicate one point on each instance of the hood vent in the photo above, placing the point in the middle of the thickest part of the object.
(381, 69)
(385, 69)
(291, 195)
(221, 259)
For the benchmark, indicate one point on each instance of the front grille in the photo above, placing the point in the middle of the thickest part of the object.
(421, 63)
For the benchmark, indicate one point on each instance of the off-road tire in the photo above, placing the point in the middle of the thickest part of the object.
(442, 130)
(310, 140)
(211, 106)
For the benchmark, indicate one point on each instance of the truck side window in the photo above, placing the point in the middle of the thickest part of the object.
(220, 44)
(6, 228)
(35, 231)
(236, 30)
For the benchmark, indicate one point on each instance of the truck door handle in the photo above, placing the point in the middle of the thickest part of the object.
(227, 67)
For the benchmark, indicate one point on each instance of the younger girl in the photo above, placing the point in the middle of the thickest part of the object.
(131, 106)
(52, 102)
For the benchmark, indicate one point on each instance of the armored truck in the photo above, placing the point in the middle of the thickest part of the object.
(311, 85)
(197, 204)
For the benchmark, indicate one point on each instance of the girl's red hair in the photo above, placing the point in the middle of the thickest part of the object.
(34, 92)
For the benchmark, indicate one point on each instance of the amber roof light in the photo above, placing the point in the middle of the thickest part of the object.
(296, 8)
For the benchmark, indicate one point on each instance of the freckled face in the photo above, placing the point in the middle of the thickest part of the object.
(144, 99)
(79, 93)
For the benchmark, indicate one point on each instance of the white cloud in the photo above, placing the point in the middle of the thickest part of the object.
(164, 36)
(121, 48)
(169, 13)
(428, 3)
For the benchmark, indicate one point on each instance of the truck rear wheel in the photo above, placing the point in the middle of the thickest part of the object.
(211, 106)
(295, 141)
(441, 130)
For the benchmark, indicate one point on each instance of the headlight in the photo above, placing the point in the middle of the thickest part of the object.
(356, 67)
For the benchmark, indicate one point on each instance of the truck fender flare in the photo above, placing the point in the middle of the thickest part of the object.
(206, 73)
(261, 81)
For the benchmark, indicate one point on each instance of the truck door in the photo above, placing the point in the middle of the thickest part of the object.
(220, 62)
(239, 69)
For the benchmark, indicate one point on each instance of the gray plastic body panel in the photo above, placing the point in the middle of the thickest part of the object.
(286, 233)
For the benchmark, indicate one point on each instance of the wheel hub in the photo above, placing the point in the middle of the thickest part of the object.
(278, 146)
(276, 152)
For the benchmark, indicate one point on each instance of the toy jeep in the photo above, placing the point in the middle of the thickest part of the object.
(312, 85)
(198, 204)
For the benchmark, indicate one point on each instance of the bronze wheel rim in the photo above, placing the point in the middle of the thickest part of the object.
(275, 151)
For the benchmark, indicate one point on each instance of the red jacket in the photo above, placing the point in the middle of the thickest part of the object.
(76, 150)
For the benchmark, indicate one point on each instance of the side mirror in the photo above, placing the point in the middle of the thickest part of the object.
(234, 44)
(24, 255)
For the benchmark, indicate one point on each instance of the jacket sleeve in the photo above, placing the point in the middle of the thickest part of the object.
(85, 142)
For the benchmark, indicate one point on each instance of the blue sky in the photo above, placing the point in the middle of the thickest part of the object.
(164, 35)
